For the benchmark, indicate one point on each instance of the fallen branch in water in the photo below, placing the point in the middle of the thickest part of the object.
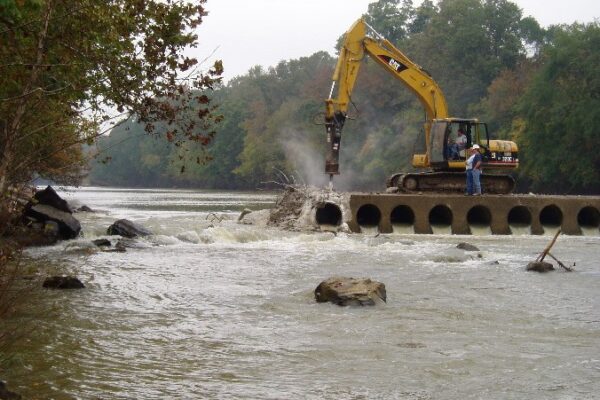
(560, 263)
(547, 249)
(539, 265)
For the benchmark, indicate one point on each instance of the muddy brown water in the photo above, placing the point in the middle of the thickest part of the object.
(211, 309)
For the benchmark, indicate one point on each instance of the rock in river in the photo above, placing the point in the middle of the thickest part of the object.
(467, 247)
(63, 282)
(540, 266)
(345, 291)
(126, 228)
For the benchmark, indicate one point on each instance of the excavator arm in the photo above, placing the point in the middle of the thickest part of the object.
(357, 44)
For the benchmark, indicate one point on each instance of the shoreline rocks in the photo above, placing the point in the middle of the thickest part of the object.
(63, 282)
(51, 215)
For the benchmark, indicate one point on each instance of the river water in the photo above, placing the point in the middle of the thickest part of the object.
(211, 309)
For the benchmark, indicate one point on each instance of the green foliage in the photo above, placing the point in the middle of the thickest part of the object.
(63, 64)
(561, 109)
(466, 44)
(391, 18)
(500, 107)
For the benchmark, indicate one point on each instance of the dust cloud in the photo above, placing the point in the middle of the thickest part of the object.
(308, 163)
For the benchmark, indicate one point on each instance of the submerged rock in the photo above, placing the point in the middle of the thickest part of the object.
(244, 212)
(128, 229)
(102, 242)
(345, 291)
(189, 236)
(467, 247)
(256, 218)
(540, 266)
(84, 208)
(63, 282)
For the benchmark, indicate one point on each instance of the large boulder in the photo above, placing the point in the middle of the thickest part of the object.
(345, 291)
(68, 226)
(126, 228)
(49, 197)
(48, 208)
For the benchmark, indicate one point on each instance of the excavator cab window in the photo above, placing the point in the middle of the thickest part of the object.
(449, 141)
(438, 140)
(481, 138)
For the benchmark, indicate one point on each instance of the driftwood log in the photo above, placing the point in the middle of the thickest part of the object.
(540, 265)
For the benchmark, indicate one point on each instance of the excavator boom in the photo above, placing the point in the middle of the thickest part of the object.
(356, 46)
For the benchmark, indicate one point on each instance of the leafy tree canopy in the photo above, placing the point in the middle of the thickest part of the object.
(65, 64)
(561, 110)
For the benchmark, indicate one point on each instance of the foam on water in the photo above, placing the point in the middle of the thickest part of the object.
(480, 230)
(550, 230)
(403, 229)
(590, 231)
(369, 230)
(520, 229)
(441, 229)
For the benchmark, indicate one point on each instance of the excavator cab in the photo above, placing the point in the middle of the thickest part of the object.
(450, 139)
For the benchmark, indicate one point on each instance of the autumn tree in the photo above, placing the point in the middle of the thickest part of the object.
(67, 66)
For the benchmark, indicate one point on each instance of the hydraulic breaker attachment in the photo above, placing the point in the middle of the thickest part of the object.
(333, 127)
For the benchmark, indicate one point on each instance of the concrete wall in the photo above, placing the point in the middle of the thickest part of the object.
(457, 214)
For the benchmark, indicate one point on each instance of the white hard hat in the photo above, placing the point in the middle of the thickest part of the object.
(475, 146)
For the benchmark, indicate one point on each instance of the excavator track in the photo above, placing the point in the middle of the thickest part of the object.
(448, 182)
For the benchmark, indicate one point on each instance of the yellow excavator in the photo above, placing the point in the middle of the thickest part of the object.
(442, 154)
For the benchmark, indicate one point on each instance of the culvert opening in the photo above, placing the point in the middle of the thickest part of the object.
(589, 218)
(479, 215)
(440, 216)
(551, 216)
(519, 220)
(402, 219)
(329, 214)
(368, 216)
(403, 215)
(519, 216)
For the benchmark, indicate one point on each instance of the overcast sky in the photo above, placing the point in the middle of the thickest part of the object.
(245, 33)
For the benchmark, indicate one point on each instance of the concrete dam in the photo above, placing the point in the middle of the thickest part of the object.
(463, 215)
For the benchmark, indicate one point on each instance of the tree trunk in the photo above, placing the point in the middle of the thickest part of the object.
(11, 129)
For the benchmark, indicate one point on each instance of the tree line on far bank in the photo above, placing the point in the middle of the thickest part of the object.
(536, 86)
